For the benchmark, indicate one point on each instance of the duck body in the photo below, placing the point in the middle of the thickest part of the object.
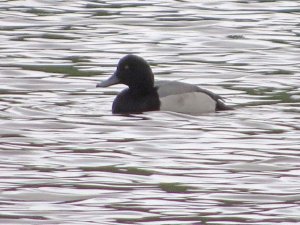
(144, 95)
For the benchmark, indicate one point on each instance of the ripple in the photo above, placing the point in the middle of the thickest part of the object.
(66, 159)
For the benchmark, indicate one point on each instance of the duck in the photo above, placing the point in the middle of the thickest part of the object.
(143, 94)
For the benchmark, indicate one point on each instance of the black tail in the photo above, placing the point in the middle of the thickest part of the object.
(222, 106)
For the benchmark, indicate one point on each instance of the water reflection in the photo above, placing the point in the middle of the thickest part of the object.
(66, 159)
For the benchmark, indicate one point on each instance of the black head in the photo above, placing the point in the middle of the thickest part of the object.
(132, 71)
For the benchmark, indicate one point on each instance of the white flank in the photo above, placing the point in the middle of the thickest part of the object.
(190, 103)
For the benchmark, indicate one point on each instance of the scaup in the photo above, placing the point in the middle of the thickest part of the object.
(144, 95)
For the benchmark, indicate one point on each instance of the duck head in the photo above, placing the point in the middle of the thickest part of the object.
(132, 71)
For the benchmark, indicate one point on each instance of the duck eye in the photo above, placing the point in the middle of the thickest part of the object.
(126, 67)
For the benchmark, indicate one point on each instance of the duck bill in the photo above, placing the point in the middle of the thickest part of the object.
(109, 82)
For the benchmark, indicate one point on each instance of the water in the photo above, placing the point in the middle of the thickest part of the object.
(65, 159)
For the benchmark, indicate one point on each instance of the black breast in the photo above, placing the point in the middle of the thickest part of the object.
(131, 102)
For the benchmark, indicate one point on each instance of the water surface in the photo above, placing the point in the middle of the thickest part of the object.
(65, 159)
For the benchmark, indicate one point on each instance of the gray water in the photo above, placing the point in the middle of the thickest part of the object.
(65, 159)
